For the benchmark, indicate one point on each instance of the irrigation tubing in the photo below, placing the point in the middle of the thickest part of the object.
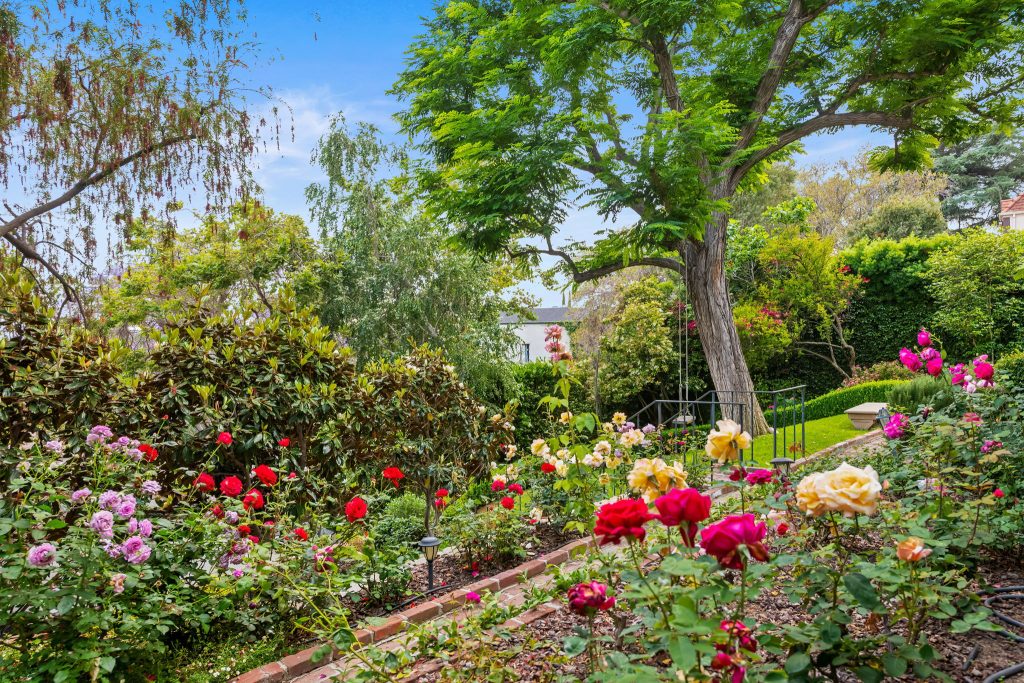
(996, 595)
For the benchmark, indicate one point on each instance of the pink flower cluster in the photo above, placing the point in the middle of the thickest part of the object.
(554, 345)
(728, 660)
(929, 358)
(896, 427)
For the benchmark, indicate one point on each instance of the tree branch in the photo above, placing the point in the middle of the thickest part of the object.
(821, 122)
(92, 177)
(785, 39)
(29, 252)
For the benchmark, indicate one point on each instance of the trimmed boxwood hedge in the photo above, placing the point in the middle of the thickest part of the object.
(840, 400)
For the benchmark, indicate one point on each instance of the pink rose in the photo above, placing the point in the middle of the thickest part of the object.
(681, 507)
(934, 366)
(924, 338)
(724, 540)
(910, 359)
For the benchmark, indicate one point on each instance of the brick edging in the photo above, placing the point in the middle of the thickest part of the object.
(302, 662)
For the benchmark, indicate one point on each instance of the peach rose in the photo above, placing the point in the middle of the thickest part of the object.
(912, 550)
(726, 442)
(651, 477)
(850, 490)
(807, 498)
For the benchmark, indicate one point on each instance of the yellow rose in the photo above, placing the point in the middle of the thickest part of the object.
(604, 480)
(603, 448)
(538, 446)
(619, 418)
(850, 490)
(565, 417)
(727, 441)
(912, 550)
(653, 477)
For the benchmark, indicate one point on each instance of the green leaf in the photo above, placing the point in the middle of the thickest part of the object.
(684, 656)
(894, 666)
(869, 674)
(107, 663)
(797, 662)
(861, 589)
(66, 604)
(574, 645)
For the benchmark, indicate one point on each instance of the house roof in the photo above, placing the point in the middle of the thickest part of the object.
(543, 316)
(1012, 205)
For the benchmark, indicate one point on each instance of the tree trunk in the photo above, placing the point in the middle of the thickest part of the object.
(709, 293)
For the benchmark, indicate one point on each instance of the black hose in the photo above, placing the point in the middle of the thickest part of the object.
(1004, 593)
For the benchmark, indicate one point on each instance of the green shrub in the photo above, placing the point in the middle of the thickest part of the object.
(840, 400)
(401, 522)
(536, 380)
(922, 390)
(883, 370)
(1011, 369)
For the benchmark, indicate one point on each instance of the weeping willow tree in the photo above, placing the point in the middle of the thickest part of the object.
(110, 111)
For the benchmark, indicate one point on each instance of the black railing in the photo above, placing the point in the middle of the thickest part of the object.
(783, 408)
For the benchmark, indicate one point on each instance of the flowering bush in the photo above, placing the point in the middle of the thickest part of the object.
(94, 548)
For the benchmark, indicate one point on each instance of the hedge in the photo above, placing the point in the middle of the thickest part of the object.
(841, 400)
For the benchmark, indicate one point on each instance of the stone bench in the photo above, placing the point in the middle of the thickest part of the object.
(865, 415)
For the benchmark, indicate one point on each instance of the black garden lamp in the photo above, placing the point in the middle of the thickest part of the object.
(782, 465)
(429, 546)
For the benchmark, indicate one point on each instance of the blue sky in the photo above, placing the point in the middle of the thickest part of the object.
(344, 56)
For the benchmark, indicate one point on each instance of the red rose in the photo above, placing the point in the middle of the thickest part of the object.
(441, 493)
(547, 468)
(622, 519)
(998, 493)
(497, 485)
(355, 509)
(683, 506)
(508, 502)
(265, 475)
(253, 500)
(231, 486)
(254, 539)
(243, 529)
(204, 482)
(393, 474)
(217, 511)
(301, 533)
(440, 503)
(285, 442)
(149, 452)
(224, 438)
(724, 540)
(516, 489)
(292, 475)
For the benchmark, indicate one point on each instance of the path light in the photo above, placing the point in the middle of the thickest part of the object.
(782, 465)
(429, 545)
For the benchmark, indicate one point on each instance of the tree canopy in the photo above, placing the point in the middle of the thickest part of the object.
(110, 110)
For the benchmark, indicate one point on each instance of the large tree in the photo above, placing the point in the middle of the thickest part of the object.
(982, 171)
(667, 108)
(109, 110)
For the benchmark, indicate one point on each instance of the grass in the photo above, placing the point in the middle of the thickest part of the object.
(822, 433)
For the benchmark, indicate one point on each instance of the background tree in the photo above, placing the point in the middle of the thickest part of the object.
(982, 171)
(848, 192)
(247, 257)
(106, 108)
(390, 277)
(527, 105)
(899, 217)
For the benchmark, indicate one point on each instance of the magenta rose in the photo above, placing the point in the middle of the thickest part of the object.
(725, 540)
(683, 508)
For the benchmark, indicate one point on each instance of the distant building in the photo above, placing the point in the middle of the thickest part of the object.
(1011, 213)
(531, 332)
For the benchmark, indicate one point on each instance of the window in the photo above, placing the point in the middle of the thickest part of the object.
(524, 353)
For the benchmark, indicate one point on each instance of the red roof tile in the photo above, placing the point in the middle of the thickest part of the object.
(1012, 205)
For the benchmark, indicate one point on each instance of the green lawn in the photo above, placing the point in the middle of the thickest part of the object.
(820, 434)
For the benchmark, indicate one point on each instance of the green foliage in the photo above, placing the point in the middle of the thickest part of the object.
(390, 279)
(53, 375)
(401, 521)
(923, 390)
(895, 301)
(493, 534)
(900, 217)
(638, 352)
(980, 299)
(883, 370)
(533, 382)
(249, 257)
(1011, 367)
(837, 401)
